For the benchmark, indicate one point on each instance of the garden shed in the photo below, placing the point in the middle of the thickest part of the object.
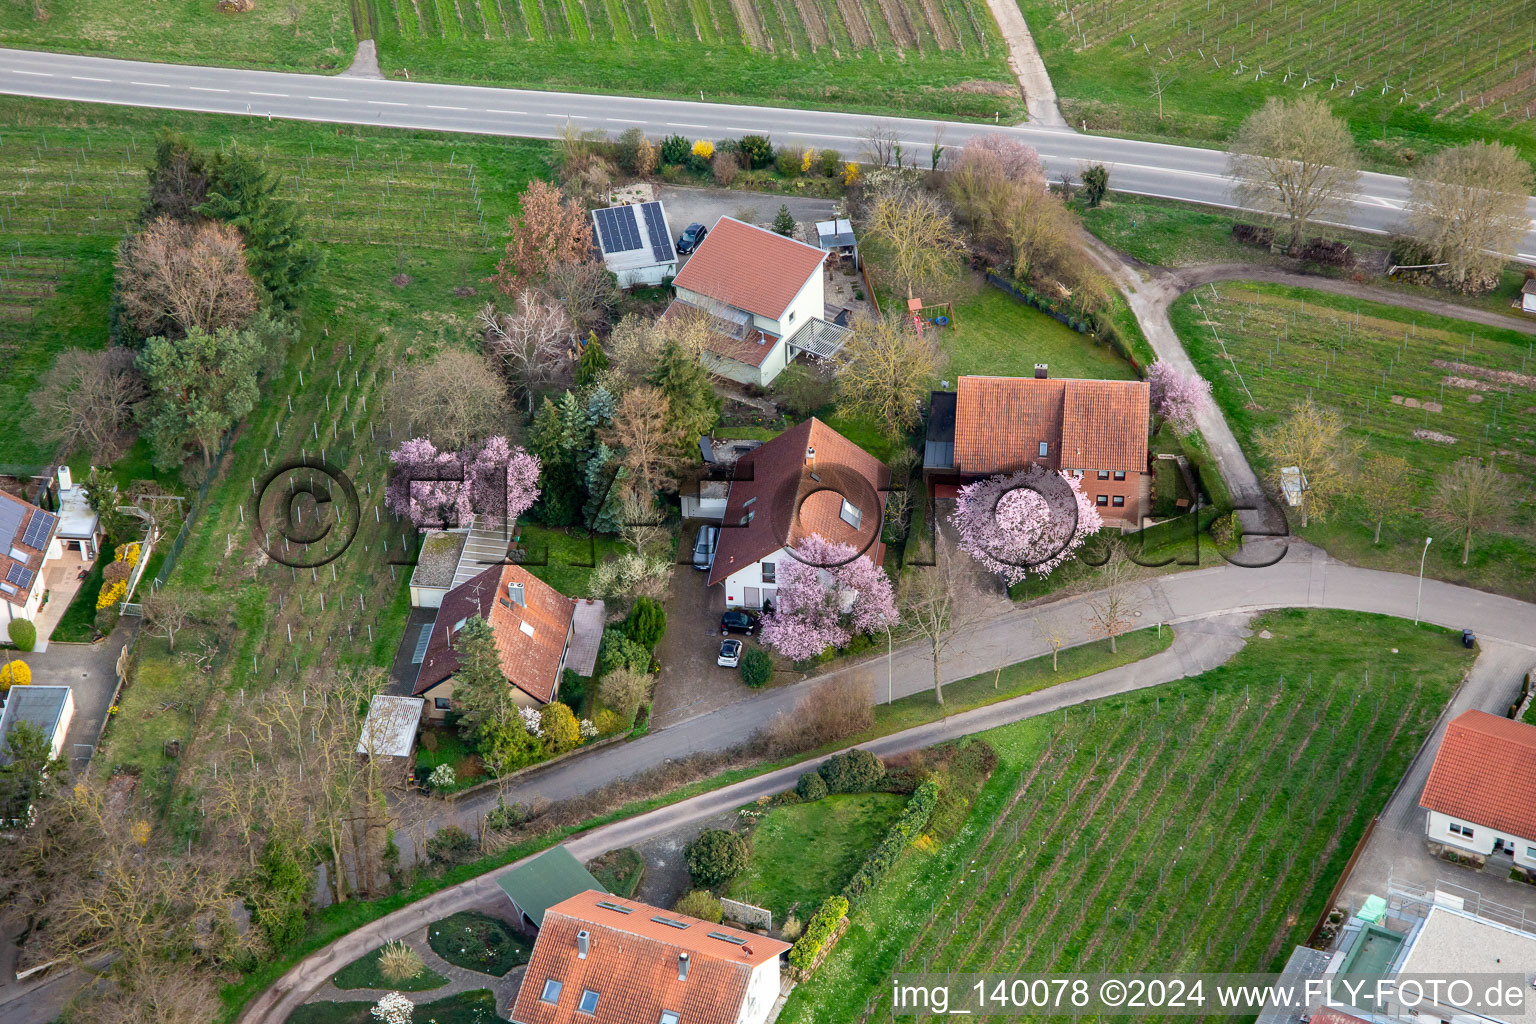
(552, 877)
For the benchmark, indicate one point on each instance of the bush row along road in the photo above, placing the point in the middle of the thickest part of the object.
(1147, 168)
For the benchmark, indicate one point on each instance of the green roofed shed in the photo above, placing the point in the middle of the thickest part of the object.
(549, 878)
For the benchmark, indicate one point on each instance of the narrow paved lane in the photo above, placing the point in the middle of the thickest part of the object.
(1150, 168)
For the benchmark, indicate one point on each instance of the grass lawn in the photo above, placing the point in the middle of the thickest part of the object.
(619, 871)
(441, 745)
(802, 853)
(1451, 79)
(998, 335)
(477, 1007)
(478, 942)
(364, 973)
(1198, 827)
(1467, 385)
(563, 558)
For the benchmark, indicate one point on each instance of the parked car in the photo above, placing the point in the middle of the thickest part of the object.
(704, 547)
(730, 654)
(689, 240)
(737, 621)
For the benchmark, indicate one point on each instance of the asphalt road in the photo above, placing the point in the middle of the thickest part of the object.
(1147, 168)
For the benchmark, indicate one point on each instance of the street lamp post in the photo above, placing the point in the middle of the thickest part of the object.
(890, 684)
(1419, 600)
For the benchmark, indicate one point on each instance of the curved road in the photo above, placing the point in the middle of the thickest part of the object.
(1146, 168)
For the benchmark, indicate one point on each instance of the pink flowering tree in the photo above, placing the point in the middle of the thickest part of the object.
(1178, 397)
(828, 593)
(1027, 522)
(435, 488)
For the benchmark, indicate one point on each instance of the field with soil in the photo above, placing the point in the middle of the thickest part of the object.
(1199, 826)
(1411, 75)
(1426, 388)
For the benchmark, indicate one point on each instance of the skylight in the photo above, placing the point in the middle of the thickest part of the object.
(728, 937)
(851, 514)
(606, 905)
(526, 628)
(669, 921)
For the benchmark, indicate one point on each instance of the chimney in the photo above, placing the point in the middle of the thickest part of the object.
(1042, 371)
(66, 481)
(810, 454)
(515, 593)
(583, 944)
(682, 967)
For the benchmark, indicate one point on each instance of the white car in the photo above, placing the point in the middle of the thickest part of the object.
(730, 654)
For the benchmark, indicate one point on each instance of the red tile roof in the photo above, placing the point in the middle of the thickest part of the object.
(752, 348)
(1485, 774)
(779, 497)
(1086, 424)
(530, 657)
(749, 268)
(632, 964)
(33, 562)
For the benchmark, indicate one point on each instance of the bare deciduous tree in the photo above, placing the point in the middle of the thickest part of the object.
(453, 399)
(1472, 495)
(587, 290)
(913, 234)
(1384, 488)
(648, 447)
(1161, 79)
(1109, 611)
(1053, 633)
(533, 343)
(1294, 161)
(86, 399)
(169, 610)
(177, 275)
(1467, 206)
(885, 370)
(936, 606)
(881, 144)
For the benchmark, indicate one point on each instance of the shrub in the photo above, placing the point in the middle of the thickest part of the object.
(127, 553)
(624, 691)
(1095, 184)
(756, 151)
(756, 667)
(106, 619)
(791, 928)
(505, 816)
(912, 820)
(561, 730)
(111, 595)
(702, 904)
(15, 673)
(817, 931)
(674, 149)
(716, 856)
(704, 149)
(23, 634)
(399, 963)
(850, 173)
(394, 1008)
(619, 651)
(442, 778)
(853, 771)
(725, 166)
(573, 688)
(811, 786)
(449, 844)
(647, 622)
(830, 158)
(609, 721)
(787, 162)
(116, 572)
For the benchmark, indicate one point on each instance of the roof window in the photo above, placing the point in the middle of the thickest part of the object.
(588, 1002)
(551, 993)
(851, 514)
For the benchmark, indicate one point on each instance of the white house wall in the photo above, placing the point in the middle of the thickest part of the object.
(1438, 828)
(762, 993)
(808, 304)
(736, 583)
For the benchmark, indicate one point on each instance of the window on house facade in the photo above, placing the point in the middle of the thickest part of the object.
(1530, 853)
(1118, 501)
(551, 993)
(1103, 474)
(588, 1002)
(1461, 830)
(791, 318)
(1119, 474)
(1101, 499)
(770, 570)
(442, 703)
(851, 514)
(1045, 449)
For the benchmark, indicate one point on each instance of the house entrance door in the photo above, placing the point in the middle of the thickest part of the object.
(752, 597)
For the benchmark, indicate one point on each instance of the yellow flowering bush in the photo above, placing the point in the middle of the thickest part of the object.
(703, 149)
(128, 553)
(14, 673)
(140, 832)
(111, 595)
(805, 160)
(850, 173)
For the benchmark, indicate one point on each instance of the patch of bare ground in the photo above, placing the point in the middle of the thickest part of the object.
(859, 29)
(981, 88)
(1434, 435)
(1498, 377)
(895, 17)
(943, 32)
(815, 23)
(1414, 403)
(746, 16)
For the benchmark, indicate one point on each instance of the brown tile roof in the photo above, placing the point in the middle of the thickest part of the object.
(530, 657)
(632, 965)
(1086, 424)
(749, 268)
(22, 513)
(751, 349)
(1485, 774)
(779, 497)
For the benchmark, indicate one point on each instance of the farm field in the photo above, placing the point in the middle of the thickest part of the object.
(1408, 76)
(1426, 388)
(1199, 826)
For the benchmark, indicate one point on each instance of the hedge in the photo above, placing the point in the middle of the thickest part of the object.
(852, 771)
(913, 819)
(817, 931)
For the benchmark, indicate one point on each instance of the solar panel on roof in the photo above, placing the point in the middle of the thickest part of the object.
(12, 515)
(19, 575)
(38, 530)
(656, 224)
(616, 225)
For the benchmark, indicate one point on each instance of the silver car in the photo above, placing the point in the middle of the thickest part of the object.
(704, 547)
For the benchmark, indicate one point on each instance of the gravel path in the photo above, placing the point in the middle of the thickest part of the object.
(1024, 59)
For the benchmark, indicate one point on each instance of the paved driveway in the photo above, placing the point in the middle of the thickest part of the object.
(706, 205)
(691, 683)
(88, 670)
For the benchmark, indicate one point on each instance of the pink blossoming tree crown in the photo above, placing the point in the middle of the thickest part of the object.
(1178, 397)
(1027, 522)
(437, 489)
(828, 593)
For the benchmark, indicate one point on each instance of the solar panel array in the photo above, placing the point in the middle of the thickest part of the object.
(19, 575)
(38, 530)
(656, 224)
(618, 229)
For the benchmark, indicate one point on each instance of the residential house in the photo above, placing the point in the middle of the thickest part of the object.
(28, 539)
(531, 621)
(764, 297)
(48, 709)
(808, 480)
(1481, 790)
(552, 877)
(1095, 430)
(600, 959)
(389, 731)
(635, 243)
